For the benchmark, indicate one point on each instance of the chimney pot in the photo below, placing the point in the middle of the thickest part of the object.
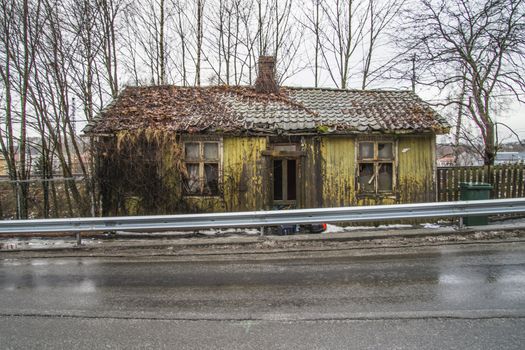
(266, 81)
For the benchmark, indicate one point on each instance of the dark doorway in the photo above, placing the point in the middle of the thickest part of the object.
(285, 181)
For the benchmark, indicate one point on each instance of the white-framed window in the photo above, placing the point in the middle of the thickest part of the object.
(202, 161)
(376, 166)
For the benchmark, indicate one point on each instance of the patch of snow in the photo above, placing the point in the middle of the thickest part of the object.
(430, 226)
(38, 243)
(162, 233)
(380, 227)
(333, 229)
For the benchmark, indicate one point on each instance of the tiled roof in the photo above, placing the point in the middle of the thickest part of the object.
(241, 109)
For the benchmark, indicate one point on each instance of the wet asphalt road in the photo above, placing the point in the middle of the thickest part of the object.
(447, 298)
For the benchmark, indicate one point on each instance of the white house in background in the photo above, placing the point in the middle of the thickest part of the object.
(509, 157)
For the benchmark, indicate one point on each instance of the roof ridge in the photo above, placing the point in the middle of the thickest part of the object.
(347, 90)
(233, 87)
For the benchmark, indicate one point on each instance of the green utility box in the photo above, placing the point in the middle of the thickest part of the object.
(471, 191)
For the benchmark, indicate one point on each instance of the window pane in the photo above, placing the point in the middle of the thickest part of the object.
(191, 185)
(278, 179)
(384, 150)
(384, 176)
(366, 150)
(191, 150)
(366, 177)
(211, 151)
(211, 179)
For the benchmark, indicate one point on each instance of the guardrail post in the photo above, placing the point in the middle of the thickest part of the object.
(79, 239)
(461, 225)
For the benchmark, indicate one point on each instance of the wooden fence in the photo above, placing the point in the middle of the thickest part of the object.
(507, 180)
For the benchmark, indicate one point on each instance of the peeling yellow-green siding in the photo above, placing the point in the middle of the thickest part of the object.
(416, 167)
(338, 171)
(244, 173)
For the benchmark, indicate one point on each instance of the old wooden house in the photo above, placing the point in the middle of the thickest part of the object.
(167, 149)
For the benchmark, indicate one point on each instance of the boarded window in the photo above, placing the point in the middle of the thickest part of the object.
(376, 167)
(202, 168)
(366, 177)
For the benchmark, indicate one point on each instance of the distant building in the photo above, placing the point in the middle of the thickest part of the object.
(466, 156)
(509, 157)
(3, 165)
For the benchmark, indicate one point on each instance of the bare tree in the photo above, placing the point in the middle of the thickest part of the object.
(110, 11)
(481, 42)
(21, 28)
(381, 15)
(313, 23)
(199, 35)
(343, 34)
(146, 44)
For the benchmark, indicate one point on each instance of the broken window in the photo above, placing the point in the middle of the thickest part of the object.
(202, 168)
(375, 166)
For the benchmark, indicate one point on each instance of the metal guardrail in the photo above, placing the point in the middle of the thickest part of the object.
(266, 218)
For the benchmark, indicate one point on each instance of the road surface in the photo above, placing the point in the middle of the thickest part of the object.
(446, 298)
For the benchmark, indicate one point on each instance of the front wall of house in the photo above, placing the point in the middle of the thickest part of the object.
(327, 176)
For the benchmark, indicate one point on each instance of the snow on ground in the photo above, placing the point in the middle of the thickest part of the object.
(210, 232)
(380, 227)
(427, 225)
(43, 243)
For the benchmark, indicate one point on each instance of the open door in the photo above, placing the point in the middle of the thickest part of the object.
(285, 183)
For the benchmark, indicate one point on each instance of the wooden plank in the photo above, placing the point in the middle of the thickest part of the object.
(284, 154)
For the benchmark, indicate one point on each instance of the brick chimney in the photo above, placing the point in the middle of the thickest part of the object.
(266, 81)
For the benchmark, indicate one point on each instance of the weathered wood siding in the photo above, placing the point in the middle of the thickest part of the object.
(244, 173)
(416, 169)
(338, 171)
(311, 182)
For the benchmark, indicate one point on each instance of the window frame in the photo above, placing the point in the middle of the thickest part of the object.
(376, 162)
(201, 161)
